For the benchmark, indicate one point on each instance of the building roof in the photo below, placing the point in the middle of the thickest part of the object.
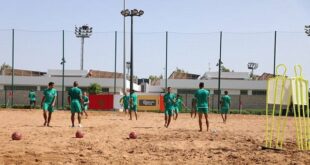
(183, 75)
(265, 76)
(103, 74)
(226, 75)
(20, 72)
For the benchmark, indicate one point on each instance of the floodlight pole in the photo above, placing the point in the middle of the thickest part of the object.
(274, 53)
(219, 77)
(166, 69)
(124, 51)
(83, 32)
(63, 71)
(131, 56)
(13, 52)
(82, 53)
(131, 13)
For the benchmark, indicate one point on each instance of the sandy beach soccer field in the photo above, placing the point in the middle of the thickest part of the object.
(106, 140)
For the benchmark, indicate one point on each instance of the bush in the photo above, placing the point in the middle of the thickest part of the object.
(94, 88)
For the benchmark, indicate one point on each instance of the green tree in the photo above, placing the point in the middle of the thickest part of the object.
(94, 88)
(224, 69)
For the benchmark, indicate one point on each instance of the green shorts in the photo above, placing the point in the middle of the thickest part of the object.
(202, 110)
(134, 108)
(126, 106)
(168, 112)
(75, 106)
(85, 107)
(224, 110)
(48, 107)
(176, 110)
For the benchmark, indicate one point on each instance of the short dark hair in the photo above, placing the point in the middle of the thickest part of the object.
(226, 93)
(51, 83)
(75, 83)
(169, 88)
(201, 85)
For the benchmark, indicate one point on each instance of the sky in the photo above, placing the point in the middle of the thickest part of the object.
(193, 27)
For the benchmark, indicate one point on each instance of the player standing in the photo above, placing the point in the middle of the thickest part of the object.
(48, 103)
(75, 100)
(85, 104)
(201, 96)
(32, 99)
(225, 105)
(133, 101)
(194, 108)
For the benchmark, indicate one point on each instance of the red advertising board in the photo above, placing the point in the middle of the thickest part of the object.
(101, 102)
(162, 105)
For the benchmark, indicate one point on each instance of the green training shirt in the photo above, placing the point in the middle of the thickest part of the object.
(201, 96)
(49, 94)
(32, 96)
(225, 101)
(75, 93)
(169, 101)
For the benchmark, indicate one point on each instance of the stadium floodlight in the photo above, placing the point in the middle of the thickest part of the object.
(131, 13)
(307, 29)
(252, 66)
(82, 32)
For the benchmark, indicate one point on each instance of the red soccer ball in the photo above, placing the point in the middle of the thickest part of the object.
(16, 136)
(133, 135)
(79, 134)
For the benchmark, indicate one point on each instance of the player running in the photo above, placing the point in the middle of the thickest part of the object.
(169, 101)
(178, 105)
(124, 101)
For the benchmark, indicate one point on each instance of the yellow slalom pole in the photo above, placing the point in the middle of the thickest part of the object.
(273, 111)
(279, 121)
(304, 123)
(308, 115)
(297, 90)
(285, 119)
(267, 116)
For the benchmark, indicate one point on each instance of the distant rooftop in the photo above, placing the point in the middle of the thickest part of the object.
(183, 75)
(226, 75)
(20, 72)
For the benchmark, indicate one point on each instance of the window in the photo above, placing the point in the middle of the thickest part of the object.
(105, 90)
(26, 88)
(243, 92)
(258, 92)
(216, 92)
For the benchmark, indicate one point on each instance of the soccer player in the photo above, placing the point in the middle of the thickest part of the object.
(194, 108)
(133, 102)
(48, 103)
(225, 105)
(32, 98)
(125, 102)
(178, 104)
(201, 96)
(75, 100)
(85, 104)
(169, 101)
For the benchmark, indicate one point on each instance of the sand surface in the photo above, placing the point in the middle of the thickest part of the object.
(106, 140)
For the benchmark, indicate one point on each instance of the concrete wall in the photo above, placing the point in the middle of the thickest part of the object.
(248, 101)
